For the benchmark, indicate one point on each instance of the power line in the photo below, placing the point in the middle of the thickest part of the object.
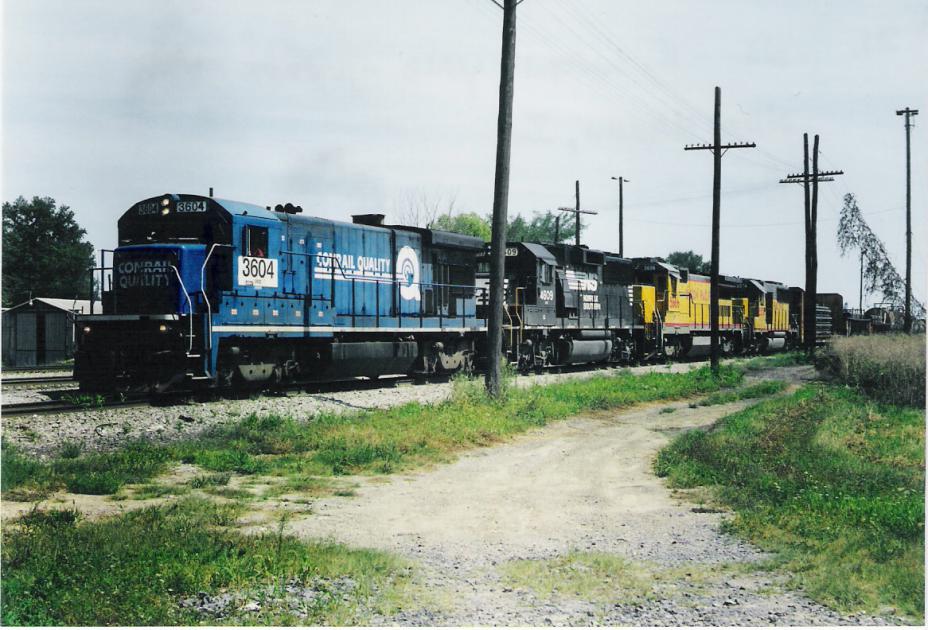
(758, 225)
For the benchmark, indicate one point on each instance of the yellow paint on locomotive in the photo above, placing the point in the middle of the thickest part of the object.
(686, 304)
(780, 315)
(643, 296)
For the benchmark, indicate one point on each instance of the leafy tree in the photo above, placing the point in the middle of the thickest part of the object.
(44, 252)
(689, 260)
(469, 223)
(880, 274)
(541, 228)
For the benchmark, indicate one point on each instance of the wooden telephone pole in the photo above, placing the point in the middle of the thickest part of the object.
(501, 200)
(811, 221)
(908, 113)
(621, 179)
(718, 149)
(577, 212)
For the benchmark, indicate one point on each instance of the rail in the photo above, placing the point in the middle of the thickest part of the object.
(189, 308)
(209, 308)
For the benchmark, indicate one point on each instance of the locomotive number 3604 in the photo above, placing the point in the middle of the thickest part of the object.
(257, 272)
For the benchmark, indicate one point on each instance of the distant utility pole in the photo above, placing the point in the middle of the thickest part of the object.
(718, 149)
(908, 113)
(860, 307)
(577, 212)
(621, 179)
(810, 217)
(501, 199)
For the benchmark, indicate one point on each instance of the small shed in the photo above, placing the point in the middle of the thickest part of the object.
(41, 331)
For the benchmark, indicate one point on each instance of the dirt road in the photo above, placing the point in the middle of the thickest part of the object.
(583, 485)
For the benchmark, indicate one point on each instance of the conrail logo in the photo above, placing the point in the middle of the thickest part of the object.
(143, 273)
(407, 273)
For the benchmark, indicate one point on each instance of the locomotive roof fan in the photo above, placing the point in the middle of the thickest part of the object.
(288, 208)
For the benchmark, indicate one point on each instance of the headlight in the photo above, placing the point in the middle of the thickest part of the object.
(86, 330)
(165, 202)
(163, 327)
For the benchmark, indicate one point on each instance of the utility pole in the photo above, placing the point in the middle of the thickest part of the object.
(621, 179)
(908, 113)
(718, 149)
(501, 199)
(577, 212)
(810, 219)
(557, 229)
(860, 307)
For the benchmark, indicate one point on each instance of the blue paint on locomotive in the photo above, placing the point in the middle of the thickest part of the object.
(331, 277)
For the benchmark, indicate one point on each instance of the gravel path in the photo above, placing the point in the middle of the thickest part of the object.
(105, 429)
(579, 485)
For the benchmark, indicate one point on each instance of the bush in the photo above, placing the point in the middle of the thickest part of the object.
(890, 368)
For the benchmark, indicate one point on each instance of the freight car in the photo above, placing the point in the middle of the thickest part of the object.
(210, 292)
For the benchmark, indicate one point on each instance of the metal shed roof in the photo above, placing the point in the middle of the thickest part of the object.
(64, 304)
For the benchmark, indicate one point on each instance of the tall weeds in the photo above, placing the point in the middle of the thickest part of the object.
(890, 368)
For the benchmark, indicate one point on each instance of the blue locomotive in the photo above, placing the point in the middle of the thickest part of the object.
(216, 293)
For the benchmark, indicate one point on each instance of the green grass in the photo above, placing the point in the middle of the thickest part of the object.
(92, 473)
(757, 390)
(596, 577)
(376, 442)
(890, 368)
(134, 569)
(206, 481)
(830, 480)
(780, 359)
(158, 490)
(607, 580)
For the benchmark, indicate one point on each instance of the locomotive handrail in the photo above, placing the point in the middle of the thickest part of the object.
(209, 308)
(189, 306)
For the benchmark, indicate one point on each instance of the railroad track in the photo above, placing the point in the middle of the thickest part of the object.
(43, 407)
(67, 404)
(69, 401)
(36, 380)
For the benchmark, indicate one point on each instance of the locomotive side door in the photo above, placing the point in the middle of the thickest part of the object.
(320, 292)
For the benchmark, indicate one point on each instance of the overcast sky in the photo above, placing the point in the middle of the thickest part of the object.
(350, 106)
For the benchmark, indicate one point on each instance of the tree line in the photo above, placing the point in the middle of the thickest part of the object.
(45, 252)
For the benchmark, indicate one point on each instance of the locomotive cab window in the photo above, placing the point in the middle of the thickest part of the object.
(545, 275)
(255, 241)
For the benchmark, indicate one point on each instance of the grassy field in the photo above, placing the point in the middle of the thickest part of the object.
(830, 480)
(890, 368)
(133, 569)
